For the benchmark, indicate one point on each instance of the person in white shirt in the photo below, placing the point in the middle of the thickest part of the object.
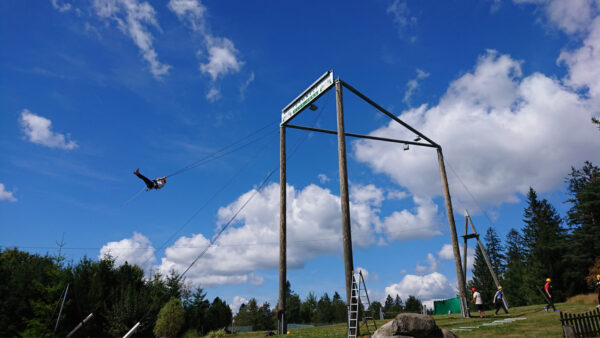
(478, 303)
(151, 184)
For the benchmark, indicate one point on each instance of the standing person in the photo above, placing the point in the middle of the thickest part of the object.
(548, 290)
(499, 300)
(598, 287)
(151, 184)
(478, 302)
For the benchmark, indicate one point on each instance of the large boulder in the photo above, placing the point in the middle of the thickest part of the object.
(412, 325)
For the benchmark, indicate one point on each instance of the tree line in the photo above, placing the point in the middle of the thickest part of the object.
(564, 249)
(32, 287)
(325, 310)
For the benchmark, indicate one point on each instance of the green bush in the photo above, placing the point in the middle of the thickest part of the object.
(170, 319)
(217, 334)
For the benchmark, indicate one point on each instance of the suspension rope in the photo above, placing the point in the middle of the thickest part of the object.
(223, 151)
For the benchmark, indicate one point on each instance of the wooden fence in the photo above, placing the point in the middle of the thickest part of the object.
(581, 324)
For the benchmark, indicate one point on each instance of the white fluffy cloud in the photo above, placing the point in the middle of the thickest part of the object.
(366, 194)
(323, 178)
(366, 275)
(252, 242)
(501, 133)
(403, 19)
(412, 85)
(133, 19)
(432, 265)
(64, 7)
(425, 288)
(221, 54)
(6, 195)
(584, 66)
(573, 16)
(135, 250)
(447, 253)
(38, 130)
(222, 58)
(405, 225)
(236, 303)
(579, 19)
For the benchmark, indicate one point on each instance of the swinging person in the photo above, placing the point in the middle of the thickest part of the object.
(151, 184)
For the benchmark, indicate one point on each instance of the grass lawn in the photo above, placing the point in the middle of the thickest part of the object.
(538, 323)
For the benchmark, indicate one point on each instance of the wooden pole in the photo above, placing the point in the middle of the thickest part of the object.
(459, 270)
(465, 249)
(468, 310)
(282, 324)
(485, 256)
(344, 198)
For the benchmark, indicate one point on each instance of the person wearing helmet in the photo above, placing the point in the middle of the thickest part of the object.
(548, 290)
(478, 303)
(499, 301)
(151, 184)
(598, 287)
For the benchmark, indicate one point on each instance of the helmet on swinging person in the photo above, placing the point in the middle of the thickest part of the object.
(548, 280)
(598, 276)
(473, 289)
(499, 287)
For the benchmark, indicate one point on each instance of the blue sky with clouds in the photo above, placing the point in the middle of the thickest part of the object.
(91, 90)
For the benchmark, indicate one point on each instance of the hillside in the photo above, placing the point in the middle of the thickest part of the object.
(536, 323)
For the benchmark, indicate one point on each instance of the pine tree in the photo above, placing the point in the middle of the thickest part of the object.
(397, 304)
(338, 307)
(388, 307)
(584, 221)
(308, 308)
(219, 315)
(196, 309)
(512, 284)
(495, 251)
(413, 304)
(482, 280)
(544, 238)
(292, 305)
(323, 312)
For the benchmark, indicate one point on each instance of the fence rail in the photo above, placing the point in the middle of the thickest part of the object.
(581, 324)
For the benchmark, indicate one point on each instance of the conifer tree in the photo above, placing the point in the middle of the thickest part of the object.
(413, 304)
(482, 280)
(388, 307)
(513, 286)
(323, 312)
(584, 221)
(495, 251)
(544, 237)
(292, 305)
(308, 308)
(338, 307)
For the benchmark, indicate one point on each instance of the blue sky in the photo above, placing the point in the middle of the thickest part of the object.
(91, 90)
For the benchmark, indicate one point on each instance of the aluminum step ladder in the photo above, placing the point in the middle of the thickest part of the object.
(359, 292)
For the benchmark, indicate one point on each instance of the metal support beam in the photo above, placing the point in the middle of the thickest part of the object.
(392, 116)
(333, 132)
(281, 320)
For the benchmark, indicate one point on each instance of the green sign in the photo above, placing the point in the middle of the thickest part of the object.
(309, 95)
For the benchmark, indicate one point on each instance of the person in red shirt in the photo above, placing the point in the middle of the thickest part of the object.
(548, 290)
